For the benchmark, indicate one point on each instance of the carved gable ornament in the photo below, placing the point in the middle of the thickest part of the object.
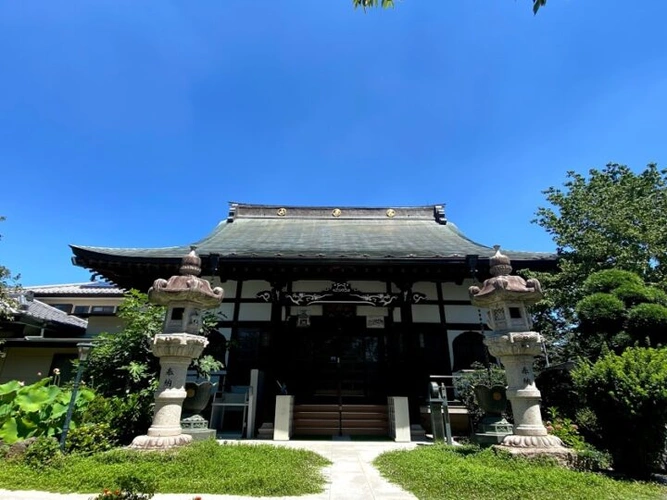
(340, 293)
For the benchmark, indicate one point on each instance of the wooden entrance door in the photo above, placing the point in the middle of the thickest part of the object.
(342, 364)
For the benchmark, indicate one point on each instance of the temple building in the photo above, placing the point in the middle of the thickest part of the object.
(344, 306)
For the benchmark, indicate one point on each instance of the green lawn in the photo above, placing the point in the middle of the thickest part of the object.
(440, 472)
(207, 467)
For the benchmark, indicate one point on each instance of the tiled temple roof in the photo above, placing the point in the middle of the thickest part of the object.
(257, 231)
(299, 235)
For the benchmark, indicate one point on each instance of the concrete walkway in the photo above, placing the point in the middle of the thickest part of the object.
(350, 477)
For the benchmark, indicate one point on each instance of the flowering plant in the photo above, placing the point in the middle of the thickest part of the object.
(565, 429)
(130, 488)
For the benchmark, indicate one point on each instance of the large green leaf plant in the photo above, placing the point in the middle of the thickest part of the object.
(37, 409)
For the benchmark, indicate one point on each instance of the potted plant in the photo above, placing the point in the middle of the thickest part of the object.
(200, 390)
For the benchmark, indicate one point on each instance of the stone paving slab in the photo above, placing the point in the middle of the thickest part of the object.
(350, 477)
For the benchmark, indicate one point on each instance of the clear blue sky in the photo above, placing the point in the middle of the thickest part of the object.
(132, 124)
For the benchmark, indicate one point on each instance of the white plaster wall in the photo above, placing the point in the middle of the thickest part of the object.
(314, 310)
(255, 312)
(452, 291)
(425, 313)
(427, 288)
(226, 310)
(252, 287)
(462, 314)
(369, 286)
(82, 301)
(230, 289)
(24, 364)
(372, 311)
(397, 315)
(310, 285)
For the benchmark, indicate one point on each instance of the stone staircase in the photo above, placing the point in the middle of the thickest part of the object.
(348, 420)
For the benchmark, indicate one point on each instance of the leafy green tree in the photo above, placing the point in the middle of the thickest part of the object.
(628, 395)
(390, 3)
(122, 362)
(619, 310)
(125, 372)
(8, 285)
(612, 218)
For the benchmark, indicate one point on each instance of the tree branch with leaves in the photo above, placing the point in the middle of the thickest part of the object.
(385, 4)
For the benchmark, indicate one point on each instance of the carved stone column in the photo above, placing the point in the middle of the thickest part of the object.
(516, 346)
(176, 352)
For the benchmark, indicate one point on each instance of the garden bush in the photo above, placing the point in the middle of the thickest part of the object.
(633, 294)
(628, 394)
(607, 280)
(42, 452)
(601, 312)
(557, 390)
(648, 321)
(127, 416)
(90, 438)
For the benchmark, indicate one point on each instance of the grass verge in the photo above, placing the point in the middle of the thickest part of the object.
(442, 472)
(205, 467)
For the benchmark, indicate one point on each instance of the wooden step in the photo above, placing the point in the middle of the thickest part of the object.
(355, 419)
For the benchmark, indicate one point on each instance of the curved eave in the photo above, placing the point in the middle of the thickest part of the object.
(140, 271)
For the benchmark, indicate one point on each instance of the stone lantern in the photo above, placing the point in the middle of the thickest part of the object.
(185, 297)
(515, 345)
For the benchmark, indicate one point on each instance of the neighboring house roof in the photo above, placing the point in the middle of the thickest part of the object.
(88, 288)
(254, 233)
(34, 309)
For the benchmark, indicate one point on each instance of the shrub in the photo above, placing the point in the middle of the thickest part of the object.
(648, 320)
(657, 296)
(90, 438)
(557, 390)
(633, 294)
(42, 452)
(589, 459)
(607, 280)
(565, 429)
(628, 394)
(128, 416)
(601, 312)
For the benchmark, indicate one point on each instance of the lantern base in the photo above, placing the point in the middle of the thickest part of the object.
(160, 442)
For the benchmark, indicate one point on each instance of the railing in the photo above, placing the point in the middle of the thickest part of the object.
(440, 394)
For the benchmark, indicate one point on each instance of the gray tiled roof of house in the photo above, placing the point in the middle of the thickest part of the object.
(88, 288)
(273, 231)
(39, 310)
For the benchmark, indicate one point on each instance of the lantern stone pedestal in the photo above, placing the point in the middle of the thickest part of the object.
(516, 346)
(176, 352)
(185, 296)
